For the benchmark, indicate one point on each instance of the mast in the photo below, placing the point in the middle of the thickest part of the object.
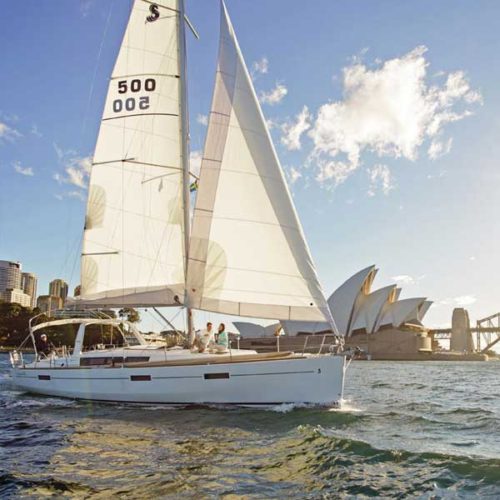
(185, 154)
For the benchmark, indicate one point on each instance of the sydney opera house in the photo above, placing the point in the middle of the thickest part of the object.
(376, 320)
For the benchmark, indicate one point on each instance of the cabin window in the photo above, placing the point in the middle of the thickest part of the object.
(140, 378)
(136, 359)
(210, 376)
(108, 360)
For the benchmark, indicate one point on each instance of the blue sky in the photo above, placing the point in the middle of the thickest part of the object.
(418, 198)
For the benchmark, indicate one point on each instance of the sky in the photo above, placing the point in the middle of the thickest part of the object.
(385, 115)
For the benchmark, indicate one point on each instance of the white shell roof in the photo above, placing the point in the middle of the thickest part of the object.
(343, 300)
(353, 307)
(401, 311)
(294, 327)
(248, 329)
(368, 310)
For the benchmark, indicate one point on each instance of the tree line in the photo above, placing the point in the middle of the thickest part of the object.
(14, 324)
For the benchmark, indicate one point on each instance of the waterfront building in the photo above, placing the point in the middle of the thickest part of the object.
(16, 296)
(29, 283)
(10, 275)
(378, 321)
(11, 289)
(58, 288)
(49, 303)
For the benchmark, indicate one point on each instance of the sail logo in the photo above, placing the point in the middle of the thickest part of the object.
(155, 14)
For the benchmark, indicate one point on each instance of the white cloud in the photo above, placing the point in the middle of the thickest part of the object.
(260, 67)
(35, 131)
(389, 111)
(293, 174)
(85, 7)
(80, 195)
(8, 133)
(332, 173)
(274, 96)
(272, 123)
(439, 148)
(202, 119)
(28, 171)
(380, 178)
(460, 301)
(195, 162)
(406, 279)
(292, 131)
(76, 168)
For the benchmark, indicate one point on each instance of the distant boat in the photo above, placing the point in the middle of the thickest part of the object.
(245, 254)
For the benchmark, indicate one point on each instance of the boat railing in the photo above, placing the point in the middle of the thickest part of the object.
(328, 340)
(232, 337)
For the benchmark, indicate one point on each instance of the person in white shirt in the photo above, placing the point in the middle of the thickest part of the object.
(205, 338)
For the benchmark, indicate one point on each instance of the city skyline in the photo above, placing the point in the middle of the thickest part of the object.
(410, 194)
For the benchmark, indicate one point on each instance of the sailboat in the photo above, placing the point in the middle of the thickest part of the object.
(244, 252)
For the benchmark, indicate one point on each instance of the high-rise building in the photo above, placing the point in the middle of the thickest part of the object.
(10, 284)
(58, 288)
(10, 275)
(49, 303)
(16, 296)
(29, 283)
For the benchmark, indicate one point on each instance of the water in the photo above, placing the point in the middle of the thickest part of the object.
(409, 430)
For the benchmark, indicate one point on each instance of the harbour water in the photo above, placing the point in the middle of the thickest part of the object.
(412, 430)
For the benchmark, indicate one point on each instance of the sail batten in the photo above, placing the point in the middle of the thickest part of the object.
(248, 255)
(133, 246)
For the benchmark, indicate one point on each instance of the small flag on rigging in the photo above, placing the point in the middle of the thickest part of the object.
(193, 186)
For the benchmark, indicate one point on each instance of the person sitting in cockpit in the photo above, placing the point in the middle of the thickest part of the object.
(222, 342)
(43, 345)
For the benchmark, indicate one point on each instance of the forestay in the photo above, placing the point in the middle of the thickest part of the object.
(248, 255)
(133, 248)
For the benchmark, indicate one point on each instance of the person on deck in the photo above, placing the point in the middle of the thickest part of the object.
(222, 343)
(205, 338)
(43, 346)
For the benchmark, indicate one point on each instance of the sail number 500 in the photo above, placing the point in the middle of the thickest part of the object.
(136, 85)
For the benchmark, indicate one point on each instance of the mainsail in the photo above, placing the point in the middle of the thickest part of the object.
(133, 246)
(248, 255)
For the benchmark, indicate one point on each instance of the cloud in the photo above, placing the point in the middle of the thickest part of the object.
(35, 131)
(389, 111)
(260, 67)
(293, 174)
(80, 195)
(292, 131)
(460, 301)
(380, 178)
(28, 171)
(76, 168)
(202, 119)
(439, 148)
(332, 173)
(406, 279)
(8, 133)
(195, 162)
(274, 96)
(85, 7)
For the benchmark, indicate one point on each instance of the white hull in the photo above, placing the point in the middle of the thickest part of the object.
(310, 380)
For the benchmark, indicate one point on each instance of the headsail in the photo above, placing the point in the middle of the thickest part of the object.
(248, 255)
(133, 247)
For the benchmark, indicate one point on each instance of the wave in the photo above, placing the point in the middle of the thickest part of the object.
(326, 453)
(12, 484)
